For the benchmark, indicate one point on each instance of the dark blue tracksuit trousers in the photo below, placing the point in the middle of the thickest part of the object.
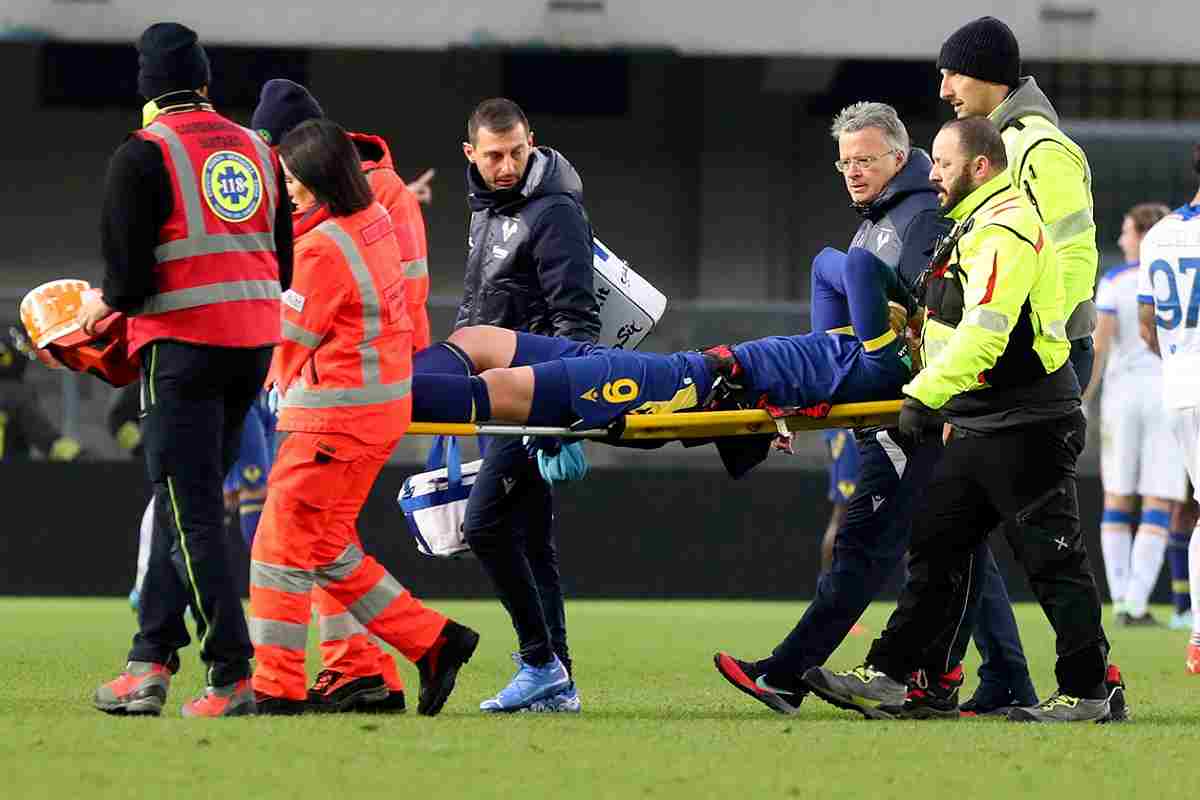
(868, 548)
(509, 525)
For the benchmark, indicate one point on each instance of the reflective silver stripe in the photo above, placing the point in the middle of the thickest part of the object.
(986, 318)
(373, 603)
(302, 336)
(417, 268)
(341, 568)
(193, 213)
(289, 635)
(1056, 330)
(198, 242)
(372, 324)
(934, 348)
(1071, 225)
(301, 397)
(210, 293)
(340, 627)
(214, 244)
(281, 579)
(894, 452)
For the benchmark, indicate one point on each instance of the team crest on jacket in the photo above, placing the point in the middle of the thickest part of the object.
(233, 186)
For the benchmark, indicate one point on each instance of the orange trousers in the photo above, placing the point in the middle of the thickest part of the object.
(307, 538)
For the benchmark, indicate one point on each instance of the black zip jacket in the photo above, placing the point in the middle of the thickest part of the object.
(529, 263)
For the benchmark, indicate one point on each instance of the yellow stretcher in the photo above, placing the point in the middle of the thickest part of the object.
(687, 425)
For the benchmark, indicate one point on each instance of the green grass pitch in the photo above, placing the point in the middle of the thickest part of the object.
(658, 722)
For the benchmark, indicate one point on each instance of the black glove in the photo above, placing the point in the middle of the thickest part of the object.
(917, 419)
(550, 445)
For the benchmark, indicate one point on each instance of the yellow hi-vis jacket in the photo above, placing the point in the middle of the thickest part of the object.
(995, 313)
(1053, 172)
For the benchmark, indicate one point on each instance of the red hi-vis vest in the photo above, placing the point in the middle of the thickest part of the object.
(345, 364)
(217, 278)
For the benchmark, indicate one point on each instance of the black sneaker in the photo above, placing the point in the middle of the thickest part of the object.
(334, 691)
(440, 665)
(271, 706)
(925, 699)
(1114, 684)
(753, 681)
(1146, 620)
(392, 704)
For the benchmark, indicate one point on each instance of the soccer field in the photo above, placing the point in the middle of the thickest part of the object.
(658, 722)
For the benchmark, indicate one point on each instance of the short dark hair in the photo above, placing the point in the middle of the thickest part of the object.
(322, 157)
(498, 114)
(980, 137)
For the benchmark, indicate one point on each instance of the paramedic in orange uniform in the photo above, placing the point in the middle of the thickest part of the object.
(357, 674)
(343, 373)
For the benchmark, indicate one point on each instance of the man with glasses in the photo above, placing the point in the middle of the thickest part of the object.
(888, 184)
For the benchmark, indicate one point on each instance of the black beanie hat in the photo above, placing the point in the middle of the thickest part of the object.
(282, 105)
(985, 49)
(170, 59)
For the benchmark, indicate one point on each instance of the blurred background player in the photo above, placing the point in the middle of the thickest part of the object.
(1170, 323)
(24, 426)
(122, 418)
(843, 476)
(246, 481)
(357, 674)
(1139, 456)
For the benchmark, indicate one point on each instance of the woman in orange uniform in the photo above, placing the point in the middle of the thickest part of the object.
(343, 373)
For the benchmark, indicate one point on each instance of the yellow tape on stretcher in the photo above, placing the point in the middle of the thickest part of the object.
(709, 424)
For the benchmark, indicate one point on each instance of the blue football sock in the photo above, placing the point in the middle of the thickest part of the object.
(1177, 558)
(450, 398)
(442, 358)
(249, 511)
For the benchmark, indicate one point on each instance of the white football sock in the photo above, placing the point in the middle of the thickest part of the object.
(145, 534)
(1149, 551)
(1116, 541)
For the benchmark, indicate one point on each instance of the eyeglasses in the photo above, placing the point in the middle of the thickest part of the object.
(862, 162)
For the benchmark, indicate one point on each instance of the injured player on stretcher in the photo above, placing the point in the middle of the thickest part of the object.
(855, 353)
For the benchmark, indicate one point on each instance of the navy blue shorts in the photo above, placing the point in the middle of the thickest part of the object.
(596, 389)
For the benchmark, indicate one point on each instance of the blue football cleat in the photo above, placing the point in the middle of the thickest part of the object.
(530, 684)
(565, 702)
(135, 598)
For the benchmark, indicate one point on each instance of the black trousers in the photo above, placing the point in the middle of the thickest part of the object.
(195, 399)
(509, 525)
(1024, 481)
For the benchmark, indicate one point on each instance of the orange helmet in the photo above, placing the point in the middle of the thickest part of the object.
(48, 314)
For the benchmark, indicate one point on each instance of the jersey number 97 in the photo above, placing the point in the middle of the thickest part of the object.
(1169, 310)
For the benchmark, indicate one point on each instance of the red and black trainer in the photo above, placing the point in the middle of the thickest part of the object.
(745, 676)
(1114, 685)
(140, 690)
(927, 699)
(439, 666)
(232, 700)
(334, 691)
